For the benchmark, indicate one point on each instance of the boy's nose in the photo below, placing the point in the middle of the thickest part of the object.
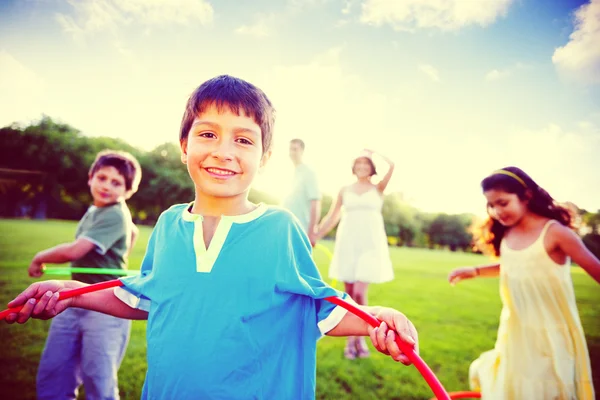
(224, 151)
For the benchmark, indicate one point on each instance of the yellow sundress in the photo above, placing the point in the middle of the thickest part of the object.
(540, 351)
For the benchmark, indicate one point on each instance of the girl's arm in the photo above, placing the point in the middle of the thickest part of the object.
(40, 301)
(573, 247)
(459, 274)
(332, 218)
(386, 179)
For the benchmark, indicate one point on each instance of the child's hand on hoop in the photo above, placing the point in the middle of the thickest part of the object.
(36, 269)
(39, 301)
(393, 324)
(459, 274)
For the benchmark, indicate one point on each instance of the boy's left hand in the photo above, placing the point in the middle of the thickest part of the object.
(394, 323)
(36, 269)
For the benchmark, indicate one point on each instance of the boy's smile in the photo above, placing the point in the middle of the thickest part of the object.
(223, 152)
(220, 173)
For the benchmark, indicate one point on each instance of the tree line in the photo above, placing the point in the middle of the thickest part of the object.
(44, 172)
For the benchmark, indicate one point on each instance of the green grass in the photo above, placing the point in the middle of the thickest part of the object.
(455, 324)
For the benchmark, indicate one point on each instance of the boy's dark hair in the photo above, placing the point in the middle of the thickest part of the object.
(299, 142)
(236, 94)
(489, 235)
(371, 164)
(127, 165)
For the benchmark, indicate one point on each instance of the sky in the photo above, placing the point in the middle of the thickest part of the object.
(449, 90)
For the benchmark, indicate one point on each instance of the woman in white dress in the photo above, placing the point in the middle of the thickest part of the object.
(361, 255)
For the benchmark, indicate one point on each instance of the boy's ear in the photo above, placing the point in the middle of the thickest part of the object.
(265, 158)
(183, 145)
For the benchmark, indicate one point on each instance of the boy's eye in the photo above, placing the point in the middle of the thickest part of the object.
(116, 183)
(207, 134)
(101, 178)
(244, 141)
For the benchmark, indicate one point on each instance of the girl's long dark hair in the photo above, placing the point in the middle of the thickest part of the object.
(489, 235)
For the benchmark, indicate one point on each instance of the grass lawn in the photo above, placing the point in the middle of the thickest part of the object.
(455, 324)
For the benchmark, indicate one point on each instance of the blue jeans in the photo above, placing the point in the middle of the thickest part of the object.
(82, 347)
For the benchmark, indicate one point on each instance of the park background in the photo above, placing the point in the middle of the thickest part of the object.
(449, 91)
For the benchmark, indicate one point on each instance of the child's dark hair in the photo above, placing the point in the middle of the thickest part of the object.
(127, 165)
(369, 161)
(236, 94)
(513, 180)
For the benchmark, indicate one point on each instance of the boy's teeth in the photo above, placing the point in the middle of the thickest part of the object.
(220, 172)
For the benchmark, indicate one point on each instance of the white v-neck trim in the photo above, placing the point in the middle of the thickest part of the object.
(260, 209)
(206, 258)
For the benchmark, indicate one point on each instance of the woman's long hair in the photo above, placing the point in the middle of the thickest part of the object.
(489, 235)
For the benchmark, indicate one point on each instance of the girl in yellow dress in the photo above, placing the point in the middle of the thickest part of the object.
(540, 351)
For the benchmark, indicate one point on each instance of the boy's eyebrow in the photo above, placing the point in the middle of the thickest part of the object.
(215, 125)
(245, 130)
(200, 122)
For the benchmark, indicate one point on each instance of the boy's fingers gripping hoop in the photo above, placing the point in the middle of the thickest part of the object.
(70, 293)
(430, 378)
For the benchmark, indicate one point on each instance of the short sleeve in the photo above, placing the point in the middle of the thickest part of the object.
(107, 229)
(312, 186)
(303, 278)
(133, 292)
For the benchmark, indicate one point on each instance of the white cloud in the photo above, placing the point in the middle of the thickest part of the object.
(297, 5)
(21, 91)
(497, 74)
(347, 8)
(580, 57)
(97, 15)
(444, 15)
(585, 125)
(70, 27)
(341, 22)
(430, 71)
(264, 26)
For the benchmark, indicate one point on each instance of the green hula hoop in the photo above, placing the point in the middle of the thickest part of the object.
(97, 271)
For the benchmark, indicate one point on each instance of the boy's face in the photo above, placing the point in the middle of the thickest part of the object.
(223, 152)
(107, 186)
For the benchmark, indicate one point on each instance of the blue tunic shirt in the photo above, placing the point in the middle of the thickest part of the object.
(239, 320)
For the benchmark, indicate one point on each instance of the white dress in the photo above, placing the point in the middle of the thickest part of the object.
(361, 251)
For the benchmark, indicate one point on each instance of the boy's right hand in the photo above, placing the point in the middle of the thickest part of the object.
(47, 306)
(36, 269)
(459, 274)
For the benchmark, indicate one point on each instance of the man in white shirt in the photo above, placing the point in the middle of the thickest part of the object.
(304, 200)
